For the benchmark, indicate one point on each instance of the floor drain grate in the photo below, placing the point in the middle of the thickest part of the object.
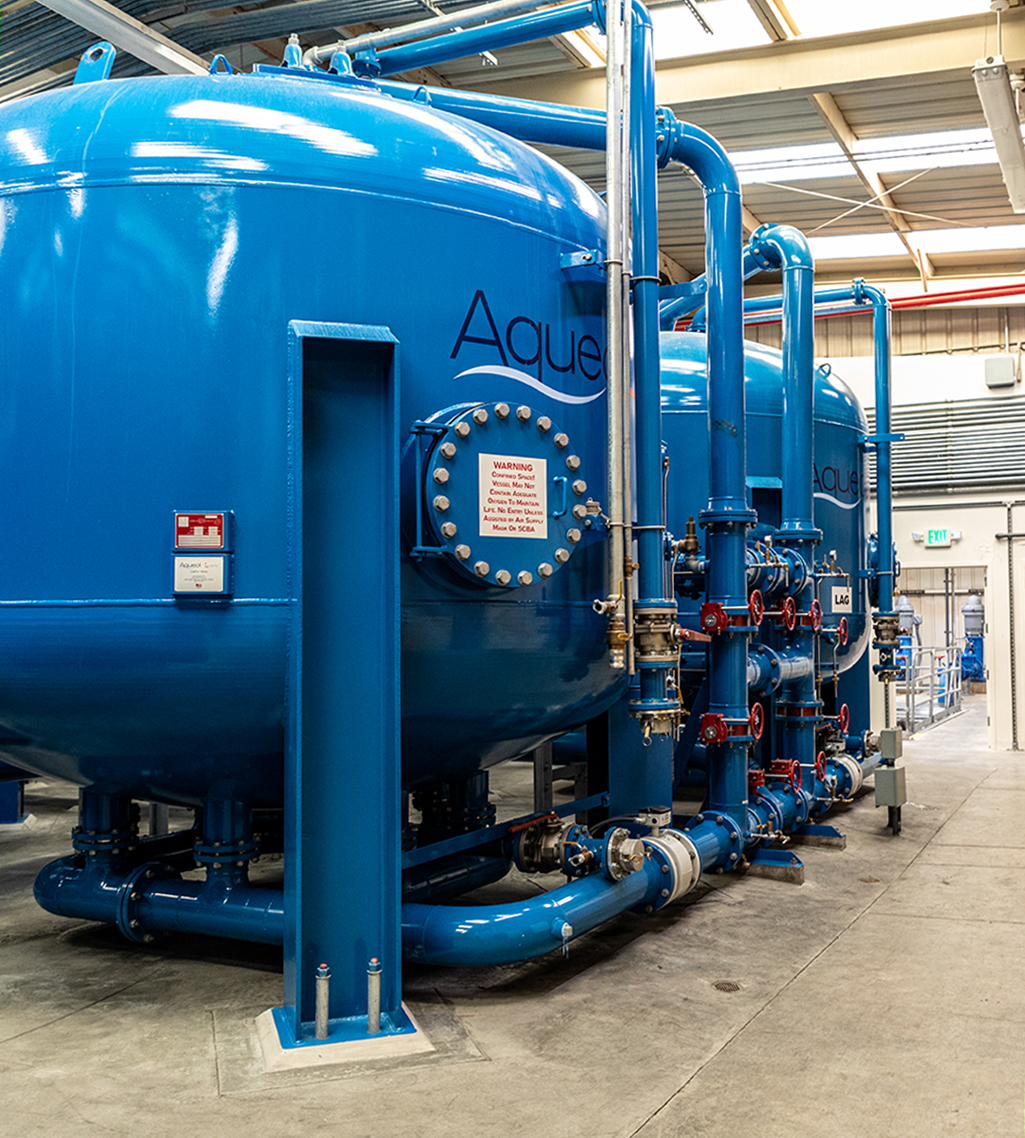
(726, 986)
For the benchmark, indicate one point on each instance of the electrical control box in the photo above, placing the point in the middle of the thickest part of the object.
(891, 744)
(891, 786)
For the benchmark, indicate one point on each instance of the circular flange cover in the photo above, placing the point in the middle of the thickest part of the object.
(505, 495)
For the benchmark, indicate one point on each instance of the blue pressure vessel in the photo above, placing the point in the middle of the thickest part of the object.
(841, 500)
(157, 236)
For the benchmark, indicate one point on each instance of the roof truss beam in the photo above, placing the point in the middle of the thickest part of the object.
(110, 23)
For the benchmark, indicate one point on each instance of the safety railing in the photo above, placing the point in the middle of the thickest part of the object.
(928, 687)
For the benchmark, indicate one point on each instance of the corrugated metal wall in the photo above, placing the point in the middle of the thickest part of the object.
(972, 444)
(916, 331)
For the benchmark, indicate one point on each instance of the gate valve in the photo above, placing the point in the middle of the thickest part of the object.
(756, 607)
(713, 729)
(843, 720)
(790, 614)
(755, 781)
(790, 769)
(714, 617)
(756, 721)
(820, 766)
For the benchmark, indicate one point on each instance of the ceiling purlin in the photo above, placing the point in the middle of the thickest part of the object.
(847, 140)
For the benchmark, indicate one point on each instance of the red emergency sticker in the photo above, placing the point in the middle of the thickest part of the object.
(199, 531)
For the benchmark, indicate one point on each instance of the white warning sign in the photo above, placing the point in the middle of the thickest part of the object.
(513, 496)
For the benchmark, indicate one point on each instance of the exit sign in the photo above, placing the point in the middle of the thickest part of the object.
(937, 537)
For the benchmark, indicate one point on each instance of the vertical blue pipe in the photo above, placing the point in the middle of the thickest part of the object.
(728, 516)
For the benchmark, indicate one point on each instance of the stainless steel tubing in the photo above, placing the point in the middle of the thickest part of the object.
(374, 996)
(323, 995)
(387, 36)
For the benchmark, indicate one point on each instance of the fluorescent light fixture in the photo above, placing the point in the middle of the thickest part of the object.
(993, 83)
(791, 163)
(852, 246)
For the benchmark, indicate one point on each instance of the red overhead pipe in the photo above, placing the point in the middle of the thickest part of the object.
(922, 300)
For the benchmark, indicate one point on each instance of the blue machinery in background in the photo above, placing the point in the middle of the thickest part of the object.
(462, 586)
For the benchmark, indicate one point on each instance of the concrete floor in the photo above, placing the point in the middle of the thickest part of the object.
(885, 996)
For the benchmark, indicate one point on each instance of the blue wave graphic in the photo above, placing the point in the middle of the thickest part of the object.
(530, 381)
(837, 502)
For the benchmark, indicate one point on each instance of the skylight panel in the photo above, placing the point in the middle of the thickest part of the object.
(938, 149)
(850, 246)
(733, 24)
(791, 163)
(977, 239)
(822, 18)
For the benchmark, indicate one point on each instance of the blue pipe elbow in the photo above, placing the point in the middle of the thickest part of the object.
(520, 930)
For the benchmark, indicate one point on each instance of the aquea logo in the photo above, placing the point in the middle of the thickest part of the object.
(841, 487)
(529, 343)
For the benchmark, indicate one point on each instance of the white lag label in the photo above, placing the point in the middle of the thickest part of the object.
(513, 496)
(842, 600)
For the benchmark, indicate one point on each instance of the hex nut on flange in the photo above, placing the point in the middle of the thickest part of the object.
(441, 502)
(463, 552)
(482, 568)
(480, 416)
(462, 430)
(503, 576)
(441, 475)
(562, 556)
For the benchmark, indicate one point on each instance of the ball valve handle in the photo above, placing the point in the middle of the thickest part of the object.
(756, 607)
(790, 614)
(816, 615)
(757, 721)
(844, 718)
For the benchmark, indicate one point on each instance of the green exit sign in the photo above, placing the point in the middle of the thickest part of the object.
(937, 537)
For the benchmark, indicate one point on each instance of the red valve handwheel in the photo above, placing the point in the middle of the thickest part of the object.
(844, 718)
(843, 630)
(820, 765)
(790, 614)
(816, 615)
(756, 607)
(757, 720)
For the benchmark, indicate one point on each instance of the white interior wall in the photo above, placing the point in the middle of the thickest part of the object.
(978, 517)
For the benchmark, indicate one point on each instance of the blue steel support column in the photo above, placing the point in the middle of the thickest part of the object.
(728, 516)
(342, 744)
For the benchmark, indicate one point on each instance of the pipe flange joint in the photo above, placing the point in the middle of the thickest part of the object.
(666, 127)
(678, 857)
(655, 640)
(129, 894)
(622, 854)
(855, 778)
(112, 842)
(217, 854)
(729, 835)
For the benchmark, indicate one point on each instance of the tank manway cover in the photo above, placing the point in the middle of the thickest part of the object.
(505, 494)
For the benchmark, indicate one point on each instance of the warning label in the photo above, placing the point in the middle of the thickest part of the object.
(513, 496)
(199, 531)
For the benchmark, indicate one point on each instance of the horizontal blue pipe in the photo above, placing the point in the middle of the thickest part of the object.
(579, 127)
(519, 930)
(524, 28)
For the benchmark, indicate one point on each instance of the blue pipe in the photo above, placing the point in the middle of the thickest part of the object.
(671, 310)
(728, 515)
(519, 930)
(524, 28)
(552, 123)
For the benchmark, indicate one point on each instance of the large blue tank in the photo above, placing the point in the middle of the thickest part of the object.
(156, 238)
(841, 500)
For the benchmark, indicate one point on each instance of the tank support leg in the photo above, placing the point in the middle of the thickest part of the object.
(342, 793)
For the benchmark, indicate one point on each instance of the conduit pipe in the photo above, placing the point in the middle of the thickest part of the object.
(421, 30)
(523, 28)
